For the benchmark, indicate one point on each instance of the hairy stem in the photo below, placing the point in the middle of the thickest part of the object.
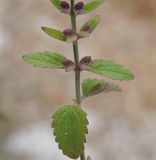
(76, 59)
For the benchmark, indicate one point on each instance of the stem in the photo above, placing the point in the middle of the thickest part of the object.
(76, 59)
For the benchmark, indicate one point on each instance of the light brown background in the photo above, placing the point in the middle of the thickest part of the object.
(122, 125)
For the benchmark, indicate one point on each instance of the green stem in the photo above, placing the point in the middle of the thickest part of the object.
(76, 59)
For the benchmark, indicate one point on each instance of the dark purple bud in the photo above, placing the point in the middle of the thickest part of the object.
(85, 60)
(71, 36)
(69, 65)
(86, 28)
(65, 7)
(68, 32)
(79, 7)
(85, 31)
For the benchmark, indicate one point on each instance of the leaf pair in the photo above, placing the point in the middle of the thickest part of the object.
(88, 7)
(106, 68)
(70, 126)
(85, 31)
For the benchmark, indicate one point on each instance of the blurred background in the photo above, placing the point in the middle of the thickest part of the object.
(122, 125)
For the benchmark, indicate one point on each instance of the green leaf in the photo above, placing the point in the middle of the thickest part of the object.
(92, 5)
(45, 59)
(70, 126)
(95, 86)
(89, 26)
(88, 158)
(54, 33)
(110, 69)
(56, 3)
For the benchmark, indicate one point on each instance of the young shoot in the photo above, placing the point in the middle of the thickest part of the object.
(70, 122)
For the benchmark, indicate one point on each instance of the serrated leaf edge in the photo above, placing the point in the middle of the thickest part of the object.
(85, 131)
(130, 75)
(46, 53)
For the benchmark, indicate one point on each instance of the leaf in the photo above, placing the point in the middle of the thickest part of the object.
(110, 69)
(45, 59)
(54, 33)
(70, 126)
(88, 158)
(89, 26)
(92, 5)
(56, 3)
(95, 86)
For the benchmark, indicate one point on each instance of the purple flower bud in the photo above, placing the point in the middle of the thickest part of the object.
(69, 65)
(85, 31)
(79, 8)
(86, 28)
(85, 60)
(68, 32)
(71, 36)
(65, 7)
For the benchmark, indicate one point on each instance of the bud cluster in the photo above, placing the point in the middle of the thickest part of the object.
(65, 7)
(83, 64)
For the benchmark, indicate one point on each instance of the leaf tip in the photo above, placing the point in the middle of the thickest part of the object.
(98, 17)
(24, 57)
(131, 76)
(43, 28)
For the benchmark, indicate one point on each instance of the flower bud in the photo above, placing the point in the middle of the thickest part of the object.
(65, 7)
(79, 8)
(85, 31)
(70, 35)
(68, 32)
(84, 62)
(69, 65)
